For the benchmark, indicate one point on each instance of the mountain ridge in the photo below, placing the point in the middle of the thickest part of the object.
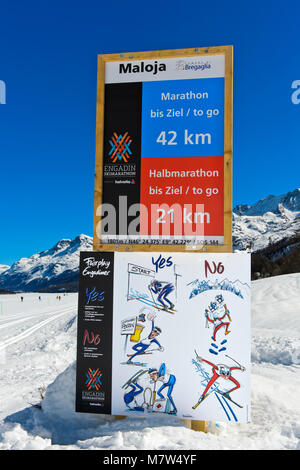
(270, 228)
(271, 203)
(268, 221)
(50, 270)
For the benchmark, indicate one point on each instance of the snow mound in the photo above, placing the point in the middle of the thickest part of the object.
(276, 350)
(59, 406)
(59, 421)
(275, 320)
(275, 306)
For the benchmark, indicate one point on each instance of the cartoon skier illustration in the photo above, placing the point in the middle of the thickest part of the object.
(142, 347)
(135, 390)
(216, 313)
(168, 381)
(162, 290)
(220, 371)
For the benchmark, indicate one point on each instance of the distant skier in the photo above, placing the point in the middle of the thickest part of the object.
(162, 289)
(22, 299)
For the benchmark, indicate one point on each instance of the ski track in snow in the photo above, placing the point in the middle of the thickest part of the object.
(40, 351)
(33, 329)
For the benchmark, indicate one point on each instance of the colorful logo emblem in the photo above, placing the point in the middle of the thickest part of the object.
(120, 147)
(93, 379)
(180, 65)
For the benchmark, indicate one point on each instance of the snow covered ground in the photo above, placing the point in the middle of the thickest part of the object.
(38, 350)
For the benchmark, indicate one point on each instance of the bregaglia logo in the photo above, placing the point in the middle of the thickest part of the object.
(192, 65)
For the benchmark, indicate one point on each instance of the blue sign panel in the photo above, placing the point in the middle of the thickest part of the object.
(183, 118)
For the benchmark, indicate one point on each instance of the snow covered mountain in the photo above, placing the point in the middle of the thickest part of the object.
(271, 226)
(51, 270)
(267, 222)
(3, 267)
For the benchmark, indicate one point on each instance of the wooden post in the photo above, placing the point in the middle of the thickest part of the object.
(200, 426)
(188, 423)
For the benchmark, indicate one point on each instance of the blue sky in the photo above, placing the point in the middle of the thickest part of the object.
(48, 57)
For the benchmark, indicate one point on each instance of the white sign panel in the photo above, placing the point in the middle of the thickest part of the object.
(180, 336)
(175, 68)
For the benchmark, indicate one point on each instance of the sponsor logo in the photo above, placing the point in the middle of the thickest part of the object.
(180, 65)
(120, 147)
(93, 379)
(194, 65)
(125, 181)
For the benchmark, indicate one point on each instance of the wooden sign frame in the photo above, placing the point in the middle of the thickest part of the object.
(227, 51)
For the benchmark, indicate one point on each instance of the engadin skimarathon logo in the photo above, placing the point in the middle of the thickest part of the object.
(93, 379)
(195, 65)
(120, 147)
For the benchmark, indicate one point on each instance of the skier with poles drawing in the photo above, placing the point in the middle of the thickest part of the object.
(219, 371)
(216, 313)
(150, 340)
(162, 289)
